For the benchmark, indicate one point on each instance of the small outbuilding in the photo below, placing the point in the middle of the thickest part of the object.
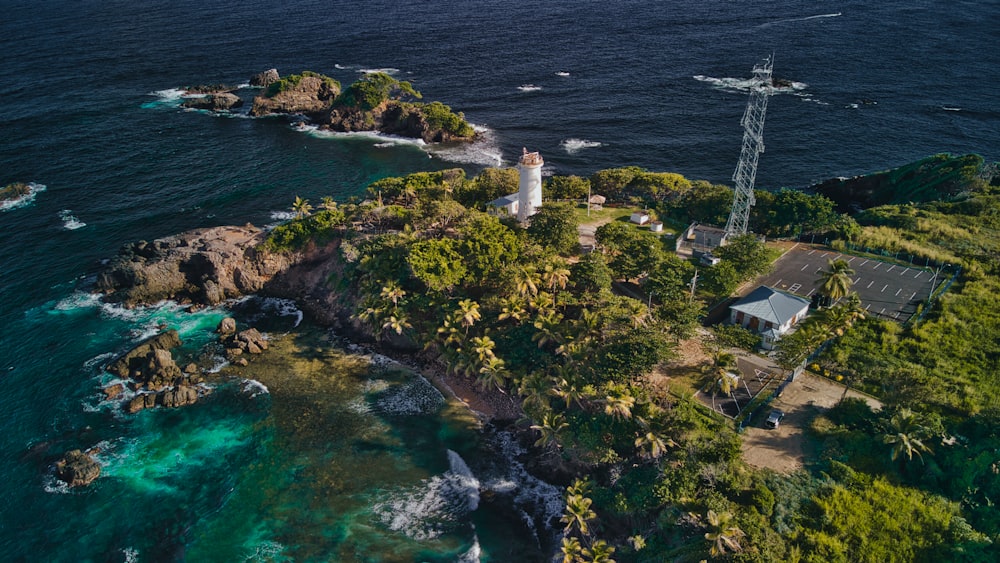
(639, 217)
(769, 311)
(506, 205)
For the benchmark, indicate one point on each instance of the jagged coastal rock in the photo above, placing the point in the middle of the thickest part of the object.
(131, 363)
(77, 468)
(308, 94)
(154, 375)
(220, 101)
(204, 266)
(14, 190)
(266, 78)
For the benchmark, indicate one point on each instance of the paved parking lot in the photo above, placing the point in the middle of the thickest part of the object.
(887, 290)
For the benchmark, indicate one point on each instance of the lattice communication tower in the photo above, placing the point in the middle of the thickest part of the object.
(753, 145)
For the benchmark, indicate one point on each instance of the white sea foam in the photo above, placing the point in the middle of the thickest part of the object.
(484, 151)
(253, 388)
(562, 73)
(53, 485)
(573, 146)
(314, 131)
(169, 94)
(340, 67)
(388, 70)
(950, 108)
(219, 363)
(78, 300)
(416, 396)
(744, 84)
(282, 308)
(435, 505)
(540, 503)
(131, 555)
(802, 19)
(70, 222)
(474, 554)
(33, 190)
(529, 88)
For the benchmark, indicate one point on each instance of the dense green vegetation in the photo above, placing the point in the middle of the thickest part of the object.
(293, 80)
(373, 90)
(651, 475)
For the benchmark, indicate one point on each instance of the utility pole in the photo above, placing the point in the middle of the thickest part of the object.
(694, 283)
(753, 145)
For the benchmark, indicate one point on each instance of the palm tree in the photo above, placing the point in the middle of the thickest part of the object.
(397, 323)
(514, 308)
(467, 313)
(328, 204)
(578, 514)
(555, 277)
(301, 207)
(533, 391)
(836, 280)
(652, 446)
(493, 372)
(571, 550)
(550, 428)
(526, 281)
(722, 534)
(568, 390)
(718, 372)
(392, 292)
(618, 402)
(549, 329)
(599, 552)
(483, 347)
(907, 435)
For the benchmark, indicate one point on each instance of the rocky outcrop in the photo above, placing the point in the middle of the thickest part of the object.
(391, 118)
(132, 362)
(309, 95)
(78, 469)
(154, 375)
(14, 190)
(223, 101)
(266, 78)
(203, 266)
(249, 341)
(226, 326)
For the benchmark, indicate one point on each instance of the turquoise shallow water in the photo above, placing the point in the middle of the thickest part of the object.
(310, 453)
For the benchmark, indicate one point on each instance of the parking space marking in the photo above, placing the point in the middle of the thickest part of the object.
(857, 280)
(795, 287)
(913, 296)
(865, 262)
(868, 307)
(896, 315)
(778, 283)
(853, 258)
(897, 291)
(810, 292)
(870, 284)
(890, 268)
(825, 254)
(877, 264)
(883, 288)
(904, 271)
(918, 274)
(804, 267)
(882, 312)
(811, 252)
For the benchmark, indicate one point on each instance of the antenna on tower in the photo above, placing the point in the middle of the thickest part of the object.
(753, 145)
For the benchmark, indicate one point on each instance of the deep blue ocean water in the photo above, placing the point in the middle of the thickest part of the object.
(86, 110)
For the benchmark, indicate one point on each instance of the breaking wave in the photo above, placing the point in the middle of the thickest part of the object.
(70, 222)
(433, 507)
(573, 146)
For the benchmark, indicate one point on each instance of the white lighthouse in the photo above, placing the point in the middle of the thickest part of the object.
(529, 194)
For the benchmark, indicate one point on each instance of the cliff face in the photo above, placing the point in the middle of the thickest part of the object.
(204, 266)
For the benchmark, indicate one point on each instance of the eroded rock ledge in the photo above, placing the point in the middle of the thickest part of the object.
(204, 266)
